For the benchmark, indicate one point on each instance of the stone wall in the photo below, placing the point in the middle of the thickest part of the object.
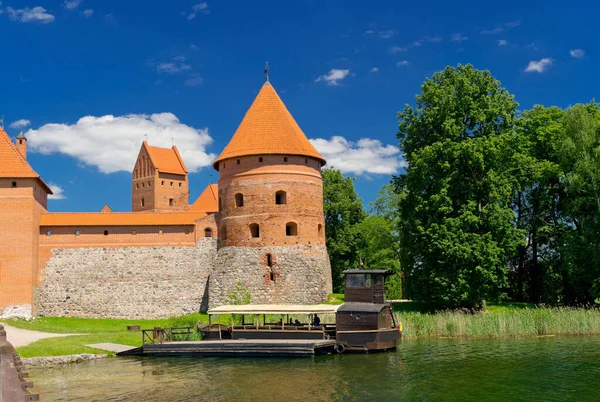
(125, 282)
(297, 275)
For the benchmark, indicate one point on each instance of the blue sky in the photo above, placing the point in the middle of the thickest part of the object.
(87, 79)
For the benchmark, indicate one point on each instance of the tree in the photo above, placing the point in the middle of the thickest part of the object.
(457, 224)
(343, 210)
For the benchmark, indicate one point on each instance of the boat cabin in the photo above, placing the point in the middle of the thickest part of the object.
(365, 286)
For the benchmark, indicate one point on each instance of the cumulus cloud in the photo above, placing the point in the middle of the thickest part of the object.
(374, 70)
(174, 66)
(382, 33)
(397, 49)
(195, 9)
(35, 14)
(502, 42)
(58, 192)
(577, 53)
(364, 156)
(111, 143)
(22, 123)
(402, 63)
(194, 80)
(501, 28)
(71, 4)
(333, 77)
(88, 13)
(539, 66)
(458, 38)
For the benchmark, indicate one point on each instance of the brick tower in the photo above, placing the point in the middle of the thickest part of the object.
(23, 198)
(159, 181)
(271, 225)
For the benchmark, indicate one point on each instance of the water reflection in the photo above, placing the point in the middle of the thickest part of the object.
(549, 369)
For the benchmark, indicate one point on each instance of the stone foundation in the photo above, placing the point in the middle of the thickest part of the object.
(126, 282)
(299, 274)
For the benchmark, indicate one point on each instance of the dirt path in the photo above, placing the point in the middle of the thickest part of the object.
(23, 337)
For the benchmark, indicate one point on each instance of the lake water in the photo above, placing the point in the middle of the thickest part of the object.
(540, 369)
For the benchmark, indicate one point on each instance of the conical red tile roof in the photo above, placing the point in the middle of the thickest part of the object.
(268, 128)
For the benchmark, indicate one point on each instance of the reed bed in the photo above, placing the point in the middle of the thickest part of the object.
(515, 323)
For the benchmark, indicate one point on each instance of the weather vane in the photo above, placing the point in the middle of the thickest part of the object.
(266, 72)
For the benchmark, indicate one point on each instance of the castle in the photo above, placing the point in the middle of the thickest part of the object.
(260, 227)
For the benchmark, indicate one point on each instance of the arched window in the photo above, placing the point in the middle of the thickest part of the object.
(77, 233)
(320, 230)
(143, 203)
(134, 232)
(239, 200)
(106, 233)
(254, 230)
(223, 233)
(280, 197)
(291, 229)
(170, 202)
(161, 232)
(208, 232)
(48, 233)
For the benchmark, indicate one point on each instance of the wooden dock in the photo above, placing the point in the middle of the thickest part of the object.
(236, 348)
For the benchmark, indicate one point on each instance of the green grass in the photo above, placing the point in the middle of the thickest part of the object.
(335, 298)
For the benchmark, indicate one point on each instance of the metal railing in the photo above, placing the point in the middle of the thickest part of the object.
(161, 335)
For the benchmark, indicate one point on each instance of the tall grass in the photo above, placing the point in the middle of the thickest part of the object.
(513, 323)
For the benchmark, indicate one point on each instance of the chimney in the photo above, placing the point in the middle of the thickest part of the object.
(22, 145)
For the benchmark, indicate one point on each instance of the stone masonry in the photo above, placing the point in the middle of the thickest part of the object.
(126, 282)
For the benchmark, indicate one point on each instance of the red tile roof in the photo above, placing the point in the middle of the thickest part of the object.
(268, 128)
(120, 218)
(208, 201)
(12, 163)
(166, 160)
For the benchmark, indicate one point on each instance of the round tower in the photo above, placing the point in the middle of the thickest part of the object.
(270, 222)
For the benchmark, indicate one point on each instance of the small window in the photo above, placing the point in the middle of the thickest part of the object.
(106, 233)
(260, 159)
(238, 161)
(208, 232)
(137, 185)
(134, 232)
(291, 229)
(254, 230)
(170, 202)
(269, 260)
(187, 231)
(161, 232)
(272, 276)
(239, 200)
(143, 185)
(171, 184)
(20, 142)
(143, 203)
(49, 233)
(77, 233)
(320, 230)
(306, 161)
(280, 197)
(149, 184)
(285, 158)
(13, 184)
(179, 184)
(162, 183)
(355, 280)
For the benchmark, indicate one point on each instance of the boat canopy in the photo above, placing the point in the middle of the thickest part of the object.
(275, 309)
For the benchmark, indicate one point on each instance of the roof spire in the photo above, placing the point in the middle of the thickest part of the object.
(21, 136)
(266, 71)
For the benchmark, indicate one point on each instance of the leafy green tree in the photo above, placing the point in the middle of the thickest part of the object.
(457, 224)
(343, 210)
(579, 155)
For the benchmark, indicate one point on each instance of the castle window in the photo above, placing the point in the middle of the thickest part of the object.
(48, 233)
(143, 185)
(162, 183)
(285, 158)
(187, 232)
(143, 204)
(137, 185)
(106, 233)
(239, 200)
(320, 230)
(161, 232)
(134, 232)
(170, 202)
(260, 159)
(171, 184)
(273, 277)
(149, 184)
(223, 232)
(13, 184)
(280, 197)
(77, 233)
(254, 230)
(20, 142)
(179, 184)
(208, 232)
(291, 229)
(306, 161)
(269, 260)
(238, 161)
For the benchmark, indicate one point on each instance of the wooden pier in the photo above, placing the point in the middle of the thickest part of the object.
(233, 348)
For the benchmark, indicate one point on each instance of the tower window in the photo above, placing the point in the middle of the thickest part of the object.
(269, 260)
(106, 233)
(239, 200)
(170, 202)
(260, 159)
(137, 185)
(179, 184)
(238, 161)
(149, 184)
(143, 203)
(208, 232)
(254, 230)
(143, 185)
(171, 184)
(77, 233)
(20, 142)
(162, 183)
(291, 229)
(134, 232)
(320, 230)
(13, 184)
(272, 276)
(161, 232)
(48, 233)
(285, 158)
(280, 197)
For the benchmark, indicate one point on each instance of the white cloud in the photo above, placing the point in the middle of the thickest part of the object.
(333, 76)
(425, 39)
(502, 42)
(381, 33)
(501, 28)
(402, 63)
(111, 143)
(88, 13)
(71, 4)
(194, 80)
(397, 49)
(577, 53)
(35, 14)
(58, 192)
(539, 66)
(458, 38)
(364, 156)
(176, 65)
(22, 123)
(374, 70)
(196, 8)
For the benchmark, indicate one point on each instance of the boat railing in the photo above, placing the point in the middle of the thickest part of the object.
(161, 335)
